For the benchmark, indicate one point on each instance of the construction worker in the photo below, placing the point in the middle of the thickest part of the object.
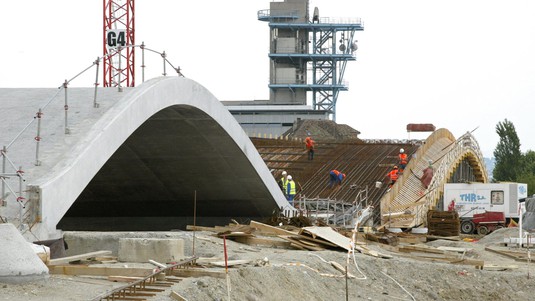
(309, 144)
(335, 177)
(427, 175)
(402, 160)
(393, 176)
(290, 190)
(283, 181)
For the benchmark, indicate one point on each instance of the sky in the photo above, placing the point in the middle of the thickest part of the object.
(463, 65)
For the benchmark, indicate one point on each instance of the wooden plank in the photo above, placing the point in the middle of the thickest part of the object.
(435, 237)
(454, 249)
(130, 298)
(516, 255)
(68, 259)
(498, 267)
(123, 278)
(176, 296)
(270, 229)
(262, 242)
(329, 235)
(99, 271)
(318, 241)
(198, 273)
(420, 248)
(299, 244)
(200, 228)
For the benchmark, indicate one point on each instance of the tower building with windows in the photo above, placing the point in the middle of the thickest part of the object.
(308, 57)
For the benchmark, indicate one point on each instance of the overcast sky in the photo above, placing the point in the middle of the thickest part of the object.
(458, 64)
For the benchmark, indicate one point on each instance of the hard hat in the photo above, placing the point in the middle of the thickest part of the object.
(284, 172)
(343, 175)
(395, 167)
(289, 177)
(401, 150)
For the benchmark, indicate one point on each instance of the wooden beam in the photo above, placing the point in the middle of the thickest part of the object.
(65, 260)
(270, 229)
(201, 228)
(176, 296)
(99, 271)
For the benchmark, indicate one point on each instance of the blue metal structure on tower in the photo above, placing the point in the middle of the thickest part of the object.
(308, 54)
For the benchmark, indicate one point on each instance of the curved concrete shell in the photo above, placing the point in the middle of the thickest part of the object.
(166, 149)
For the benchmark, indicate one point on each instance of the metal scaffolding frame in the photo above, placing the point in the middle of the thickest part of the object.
(331, 45)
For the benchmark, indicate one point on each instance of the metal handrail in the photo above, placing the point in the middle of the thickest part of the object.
(6, 161)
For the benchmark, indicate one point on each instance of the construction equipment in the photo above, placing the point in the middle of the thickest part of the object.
(473, 199)
(484, 223)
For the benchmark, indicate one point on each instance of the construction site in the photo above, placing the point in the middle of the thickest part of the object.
(161, 191)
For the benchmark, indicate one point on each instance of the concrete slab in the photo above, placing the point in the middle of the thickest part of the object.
(145, 249)
(18, 261)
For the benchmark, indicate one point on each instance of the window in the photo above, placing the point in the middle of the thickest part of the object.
(496, 197)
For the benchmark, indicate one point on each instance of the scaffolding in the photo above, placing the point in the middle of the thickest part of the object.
(334, 212)
(309, 56)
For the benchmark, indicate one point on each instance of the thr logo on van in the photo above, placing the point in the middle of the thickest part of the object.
(471, 197)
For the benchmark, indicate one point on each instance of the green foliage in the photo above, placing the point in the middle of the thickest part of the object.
(508, 157)
(528, 171)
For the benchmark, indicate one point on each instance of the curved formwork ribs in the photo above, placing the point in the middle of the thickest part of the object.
(407, 203)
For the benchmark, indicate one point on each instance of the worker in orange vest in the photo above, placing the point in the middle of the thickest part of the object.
(335, 177)
(309, 144)
(393, 175)
(402, 160)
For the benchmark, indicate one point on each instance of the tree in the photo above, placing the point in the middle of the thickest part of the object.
(508, 157)
(527, 174)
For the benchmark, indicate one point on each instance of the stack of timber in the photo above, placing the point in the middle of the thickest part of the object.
(443, 223)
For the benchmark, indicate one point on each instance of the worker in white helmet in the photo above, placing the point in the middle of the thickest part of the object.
(283, 181)
(290, 190)
(402, 160)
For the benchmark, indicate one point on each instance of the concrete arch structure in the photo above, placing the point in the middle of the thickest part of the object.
(150, 145)
(408, 202)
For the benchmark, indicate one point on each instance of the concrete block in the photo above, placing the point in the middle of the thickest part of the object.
(18, 261)
(143, 249)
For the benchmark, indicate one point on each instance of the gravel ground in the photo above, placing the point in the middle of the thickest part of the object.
(282, 274)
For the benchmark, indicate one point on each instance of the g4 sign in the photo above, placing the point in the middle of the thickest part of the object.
(116, 37)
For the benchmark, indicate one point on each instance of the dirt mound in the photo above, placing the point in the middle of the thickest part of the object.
(325, 130)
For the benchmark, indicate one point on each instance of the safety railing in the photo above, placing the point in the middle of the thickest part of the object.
(13, 174)
(332, 212)
(465, 143)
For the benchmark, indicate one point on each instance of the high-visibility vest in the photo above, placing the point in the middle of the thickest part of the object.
(309, 143)
(336, 172)
(403, 158)
(292, 187)
(284, 182)
(393, 175)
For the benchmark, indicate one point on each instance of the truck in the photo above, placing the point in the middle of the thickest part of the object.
(485, 201)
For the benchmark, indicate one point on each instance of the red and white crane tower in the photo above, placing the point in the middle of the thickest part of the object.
(118, 43)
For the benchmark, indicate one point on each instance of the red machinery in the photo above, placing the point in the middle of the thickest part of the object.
(484, 223)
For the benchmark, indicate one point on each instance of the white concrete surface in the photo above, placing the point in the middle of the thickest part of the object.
(145, 249)
(18, 260)
(68, 162)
